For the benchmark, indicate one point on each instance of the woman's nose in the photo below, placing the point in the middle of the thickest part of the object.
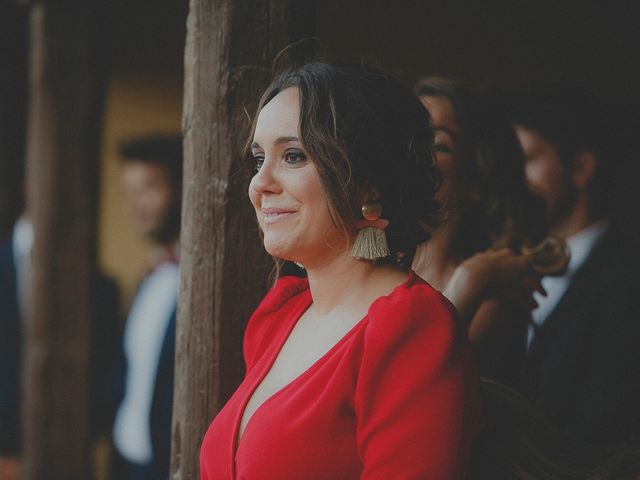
(266, 179)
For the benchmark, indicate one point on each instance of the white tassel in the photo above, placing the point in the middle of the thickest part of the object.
(370, 244)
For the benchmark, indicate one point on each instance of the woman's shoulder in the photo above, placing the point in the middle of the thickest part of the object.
(265, 322)
(413, 307)
(414, 334)
(414, 297)
(282, 291)
(285, 290)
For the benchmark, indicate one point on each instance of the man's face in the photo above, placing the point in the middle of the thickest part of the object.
(150, 198)
(546, 174)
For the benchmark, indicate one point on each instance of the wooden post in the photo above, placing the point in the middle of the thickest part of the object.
(65, 100)
(13, 100)
(224, 272)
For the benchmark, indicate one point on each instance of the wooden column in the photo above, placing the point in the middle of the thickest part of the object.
(224, 272)
(13, 99)
(65, 99)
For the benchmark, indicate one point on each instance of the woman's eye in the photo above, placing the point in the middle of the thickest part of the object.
(442, 148)
(258, 160)
(294, 156)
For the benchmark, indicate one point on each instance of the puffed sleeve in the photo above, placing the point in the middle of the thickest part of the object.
(417, 393)
(263, 325)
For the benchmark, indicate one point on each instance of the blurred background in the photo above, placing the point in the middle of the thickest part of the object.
(509, 45)
(504, 46)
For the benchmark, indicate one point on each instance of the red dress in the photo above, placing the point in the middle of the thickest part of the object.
(396, 398)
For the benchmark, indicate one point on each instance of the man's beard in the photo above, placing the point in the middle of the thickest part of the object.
(562, 207)
(169, 231)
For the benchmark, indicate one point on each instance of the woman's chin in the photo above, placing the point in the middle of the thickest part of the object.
(277, 250)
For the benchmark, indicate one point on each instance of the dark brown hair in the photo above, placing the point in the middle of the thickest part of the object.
(366, 133)
(572, 121)
(162, 150)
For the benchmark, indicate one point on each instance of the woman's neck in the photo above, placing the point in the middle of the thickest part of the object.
(434, 260)
(347, 281)
(332, 283)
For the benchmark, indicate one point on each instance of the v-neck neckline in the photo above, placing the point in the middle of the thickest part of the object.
(237, 440)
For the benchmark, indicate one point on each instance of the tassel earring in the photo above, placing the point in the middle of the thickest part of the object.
(371, 241)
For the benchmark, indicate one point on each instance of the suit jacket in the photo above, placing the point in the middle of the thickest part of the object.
(583, 366)
(162, 403)
(10, 364)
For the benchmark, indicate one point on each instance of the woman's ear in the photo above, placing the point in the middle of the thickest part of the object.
(584, 167)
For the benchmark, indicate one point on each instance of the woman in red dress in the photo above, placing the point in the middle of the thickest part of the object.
(361, 370)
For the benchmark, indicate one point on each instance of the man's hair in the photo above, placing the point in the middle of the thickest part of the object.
(573, 122)
(567, 118)
(163, 150)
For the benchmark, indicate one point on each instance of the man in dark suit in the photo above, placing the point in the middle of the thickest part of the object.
(582, 365)
(152, 179)
(10, 364)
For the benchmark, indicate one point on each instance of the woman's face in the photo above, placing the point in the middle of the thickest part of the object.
(446, 146)
(287, 192)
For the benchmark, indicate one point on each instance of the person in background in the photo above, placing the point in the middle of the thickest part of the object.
(490, 218)
(13, 253)
(15, 265)
(152, 182)
(582, 364)
(361, 370)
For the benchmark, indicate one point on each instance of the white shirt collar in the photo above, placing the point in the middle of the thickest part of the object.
(581, 244)
(22, 239)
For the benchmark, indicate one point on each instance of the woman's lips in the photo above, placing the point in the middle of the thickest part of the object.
(273, 215)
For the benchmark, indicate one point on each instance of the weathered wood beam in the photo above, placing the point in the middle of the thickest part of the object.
(224, 272)
(65, 103)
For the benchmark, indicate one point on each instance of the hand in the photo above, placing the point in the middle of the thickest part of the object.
(494, 274)
(9, 468)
